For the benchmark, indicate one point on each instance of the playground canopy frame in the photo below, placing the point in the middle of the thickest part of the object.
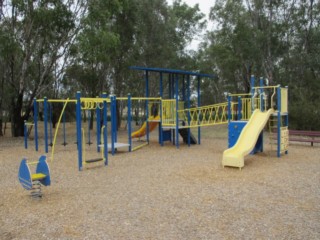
(174, 77)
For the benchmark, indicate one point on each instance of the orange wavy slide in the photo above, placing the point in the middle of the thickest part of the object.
(153, 122)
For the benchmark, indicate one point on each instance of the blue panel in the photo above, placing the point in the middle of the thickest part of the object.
(25, 175)
(166, 135)
(259, 145)
(234, 131)
(42, 167)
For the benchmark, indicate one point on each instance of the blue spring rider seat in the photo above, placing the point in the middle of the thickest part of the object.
(34, 181)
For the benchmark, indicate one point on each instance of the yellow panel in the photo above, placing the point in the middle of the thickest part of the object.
(284, 144)
(284, 100)
(38, 176)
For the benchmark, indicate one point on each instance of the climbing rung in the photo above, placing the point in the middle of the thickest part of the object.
(37, 176)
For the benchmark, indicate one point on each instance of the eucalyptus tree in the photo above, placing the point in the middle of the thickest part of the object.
(275, 39)
(164, 33)
(37, 37)
(118, 34)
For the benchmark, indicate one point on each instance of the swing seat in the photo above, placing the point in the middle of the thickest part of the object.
(38, 176)
(94, 160)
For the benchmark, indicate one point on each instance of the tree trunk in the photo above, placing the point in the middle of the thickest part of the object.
(17, 119)
(1, 133)
(118, 115)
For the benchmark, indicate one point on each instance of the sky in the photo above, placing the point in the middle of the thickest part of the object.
(204, 6)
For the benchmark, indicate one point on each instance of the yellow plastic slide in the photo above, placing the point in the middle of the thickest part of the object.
(234, 156)
(153, 122)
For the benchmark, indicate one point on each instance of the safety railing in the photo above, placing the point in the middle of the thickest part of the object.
(261, 98)
(169, 111)
(205, 115)
(241, 106)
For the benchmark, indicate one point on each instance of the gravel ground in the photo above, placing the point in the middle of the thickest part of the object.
(164, 193)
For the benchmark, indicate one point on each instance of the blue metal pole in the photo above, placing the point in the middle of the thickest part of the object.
(171, 96)
(177, 108)
(188, 106)
(279, 120)
(35, 119)
(105, 132)
(79, 132)
(50, 123)
(199, 104)
(287, 118)
(239, 108)
(45, 111)
(261, 94)
(113, 122)
(261, 107)
(229, 109)
(147, 105)
(129, 122)
(160, 124)
(98, 123)
(252, 80)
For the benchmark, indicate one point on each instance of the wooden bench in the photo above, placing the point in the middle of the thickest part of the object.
(304, 136)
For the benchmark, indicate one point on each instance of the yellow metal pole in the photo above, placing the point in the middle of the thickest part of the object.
(57, 128)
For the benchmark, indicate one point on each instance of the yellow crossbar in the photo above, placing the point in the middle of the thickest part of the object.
(32, 163)
(145, 98)
(266, 87)
(62, 100)
(96, 100)
(138, 98)
(140, 146)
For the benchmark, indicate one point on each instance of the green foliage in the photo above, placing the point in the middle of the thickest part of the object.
(275, 39)
(35, 36)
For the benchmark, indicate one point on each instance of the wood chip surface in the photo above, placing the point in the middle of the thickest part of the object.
(163, 193)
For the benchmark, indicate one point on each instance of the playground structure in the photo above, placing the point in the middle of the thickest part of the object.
(33, 181)
(169, 115)
(253, 111)
(174, 116)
